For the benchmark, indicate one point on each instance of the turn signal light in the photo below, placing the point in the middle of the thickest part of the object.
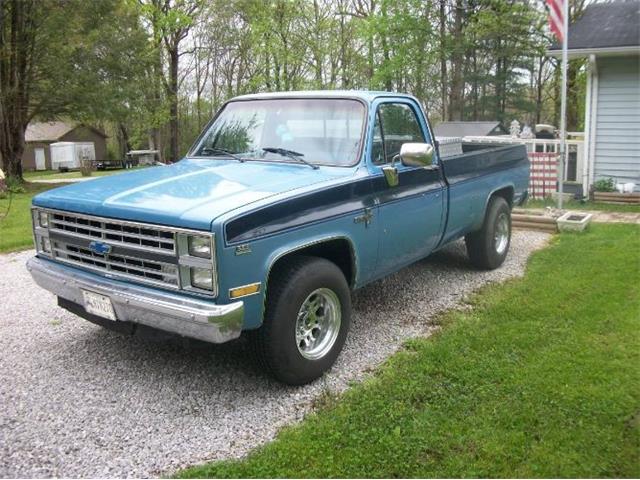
(244, 290)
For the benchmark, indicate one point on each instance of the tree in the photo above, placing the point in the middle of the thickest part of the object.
(457, 82)
(171, 21)
(70, 58)
(19, 23)
(158, 69)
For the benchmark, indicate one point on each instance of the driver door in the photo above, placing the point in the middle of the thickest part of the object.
(410, 213)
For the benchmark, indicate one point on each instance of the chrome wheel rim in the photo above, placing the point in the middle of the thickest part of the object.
(318, 323)
(501, 233)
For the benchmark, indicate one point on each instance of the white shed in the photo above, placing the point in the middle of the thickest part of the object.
(71, 154)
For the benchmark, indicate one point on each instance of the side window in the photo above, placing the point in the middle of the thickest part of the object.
(398, 125)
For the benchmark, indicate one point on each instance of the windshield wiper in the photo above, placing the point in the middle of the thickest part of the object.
(291, 154)
(213, 152)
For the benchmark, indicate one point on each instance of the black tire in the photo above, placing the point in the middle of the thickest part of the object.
(484, 250)
(275, 344)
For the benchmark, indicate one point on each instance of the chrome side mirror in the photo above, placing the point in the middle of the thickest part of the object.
(417, 155)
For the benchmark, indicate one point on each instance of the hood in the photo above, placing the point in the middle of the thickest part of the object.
(187, 194)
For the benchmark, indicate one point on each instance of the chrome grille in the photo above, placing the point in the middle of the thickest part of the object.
(114, 231)
(158, 255)
(148, 271)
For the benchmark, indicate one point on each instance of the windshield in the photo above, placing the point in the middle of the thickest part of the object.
(315, 131)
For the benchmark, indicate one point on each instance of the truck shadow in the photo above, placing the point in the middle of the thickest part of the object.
(414, 281)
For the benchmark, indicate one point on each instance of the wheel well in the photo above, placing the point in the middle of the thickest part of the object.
(338, 251)
(506, 193)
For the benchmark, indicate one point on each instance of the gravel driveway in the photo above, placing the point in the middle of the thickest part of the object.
(81, 401)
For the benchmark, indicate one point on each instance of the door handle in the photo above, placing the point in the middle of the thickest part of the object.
(365, 218)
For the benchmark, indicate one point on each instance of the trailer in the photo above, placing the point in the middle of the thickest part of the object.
(70, 155)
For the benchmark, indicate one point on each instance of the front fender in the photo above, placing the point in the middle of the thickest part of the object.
(253, 262)
(307, 244)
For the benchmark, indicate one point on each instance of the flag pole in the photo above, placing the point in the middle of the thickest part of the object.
(563, 104)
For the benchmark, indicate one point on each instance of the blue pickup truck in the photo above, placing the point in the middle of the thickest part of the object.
(285, 204)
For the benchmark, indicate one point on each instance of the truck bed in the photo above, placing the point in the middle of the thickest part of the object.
(472, 177)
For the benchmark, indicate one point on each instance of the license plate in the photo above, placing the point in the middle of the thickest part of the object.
(99, 305)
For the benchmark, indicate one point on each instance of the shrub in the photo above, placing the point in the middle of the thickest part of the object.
(86, 167)
(15, 185)
(605, 185)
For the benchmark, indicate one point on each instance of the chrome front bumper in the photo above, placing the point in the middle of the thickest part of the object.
(166, 311)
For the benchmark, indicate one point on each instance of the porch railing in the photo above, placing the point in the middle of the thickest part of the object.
(543, 155)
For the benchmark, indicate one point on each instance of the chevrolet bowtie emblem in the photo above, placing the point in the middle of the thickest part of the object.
(100, 248)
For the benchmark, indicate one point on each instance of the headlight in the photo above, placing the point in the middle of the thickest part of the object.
(43, 219)
(202, 278)
(200, 246)
(197, 262)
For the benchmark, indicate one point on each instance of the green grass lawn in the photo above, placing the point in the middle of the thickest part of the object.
(15, 229)
(56, 175)
(541, 378)
(576, 205)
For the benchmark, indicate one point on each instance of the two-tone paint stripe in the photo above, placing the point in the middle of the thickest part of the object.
(368, 192)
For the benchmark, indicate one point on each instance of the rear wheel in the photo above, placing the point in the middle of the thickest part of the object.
(306, 321)
(488, 247)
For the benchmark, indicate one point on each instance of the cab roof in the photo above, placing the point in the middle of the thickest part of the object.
(364, 95)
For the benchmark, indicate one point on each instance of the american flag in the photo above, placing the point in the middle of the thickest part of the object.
(556, 17)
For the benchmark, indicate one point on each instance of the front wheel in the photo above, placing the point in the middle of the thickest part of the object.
(488, 247)
(307, 317)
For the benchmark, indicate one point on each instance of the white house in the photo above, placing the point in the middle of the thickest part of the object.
(608, 35)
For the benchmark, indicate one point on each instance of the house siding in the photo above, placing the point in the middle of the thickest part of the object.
(78, 134)
(617, 142)
(29, 155)
(84, 134)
